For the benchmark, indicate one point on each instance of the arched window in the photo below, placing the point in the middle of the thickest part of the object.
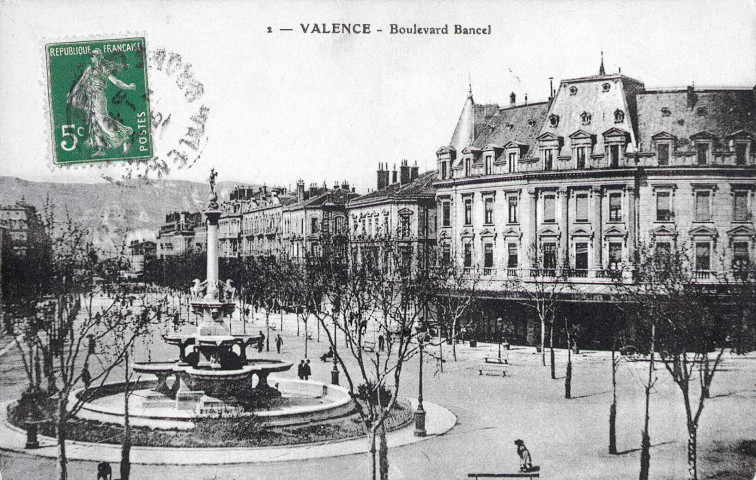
(619, 116)
(585, 117)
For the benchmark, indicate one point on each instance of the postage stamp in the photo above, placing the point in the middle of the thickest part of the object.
(99, 101)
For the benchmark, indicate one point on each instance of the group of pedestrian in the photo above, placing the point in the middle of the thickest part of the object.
(303, 370)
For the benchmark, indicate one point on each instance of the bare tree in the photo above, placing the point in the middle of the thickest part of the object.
(690, 315)
(542, 290)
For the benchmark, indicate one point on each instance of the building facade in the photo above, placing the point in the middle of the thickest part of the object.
(22, 223)
(575, 186)
(402, 210)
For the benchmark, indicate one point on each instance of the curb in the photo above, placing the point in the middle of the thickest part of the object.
(12, 439)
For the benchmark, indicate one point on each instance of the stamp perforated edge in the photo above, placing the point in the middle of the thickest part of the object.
(52, 165)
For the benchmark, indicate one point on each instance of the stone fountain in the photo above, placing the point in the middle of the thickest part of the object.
(213, 371)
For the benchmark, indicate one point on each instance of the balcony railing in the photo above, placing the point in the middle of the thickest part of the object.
(488, 271)
(578, 273)
(512, 273)
(704, 274)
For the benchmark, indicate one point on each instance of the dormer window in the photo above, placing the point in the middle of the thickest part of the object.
(666, 112)
(468, 167)
(444, 172)
(703, 152)
(619, 116)
(531, 122)
(548, 159)
(512, 162)
(489, 164)
(741, 153)
(701, 111)
(573, 90)
(553, 120)
(605, 87)
(585, 117)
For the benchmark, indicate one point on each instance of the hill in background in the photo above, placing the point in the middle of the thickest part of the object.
(110, 209)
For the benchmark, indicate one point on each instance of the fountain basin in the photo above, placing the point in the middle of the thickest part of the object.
(301, 402)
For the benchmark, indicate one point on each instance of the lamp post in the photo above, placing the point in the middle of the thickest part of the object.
(335, 371)
(420, 411)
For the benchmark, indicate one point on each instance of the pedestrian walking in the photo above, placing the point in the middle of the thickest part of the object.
(306, 370)
(526, 464)
(86, 377)
(381, 342)
(300, 370)
(279, 342)
(260, 342)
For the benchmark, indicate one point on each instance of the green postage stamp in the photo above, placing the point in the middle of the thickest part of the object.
(99, 101)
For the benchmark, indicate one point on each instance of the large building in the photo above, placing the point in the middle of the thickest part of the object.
(182, 233)
(401, 210)
(22, 223)
(575, 186)
(317, 226)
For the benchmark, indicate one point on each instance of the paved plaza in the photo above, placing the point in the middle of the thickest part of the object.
(567, 438)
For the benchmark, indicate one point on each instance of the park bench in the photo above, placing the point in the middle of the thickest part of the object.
(493, 369)
(504, 475)
(497, 360)
(368, 346)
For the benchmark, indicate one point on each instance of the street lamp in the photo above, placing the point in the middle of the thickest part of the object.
(420, 411)
(335, 371)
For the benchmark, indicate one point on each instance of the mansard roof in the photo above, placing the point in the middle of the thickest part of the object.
(721, 112)
(422, 186)
(519, 124)
(601, 96)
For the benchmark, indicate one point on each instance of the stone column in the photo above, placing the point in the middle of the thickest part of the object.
(212, 254)
(531, 246)
(631, 226)
(564, 227)
(597, 225)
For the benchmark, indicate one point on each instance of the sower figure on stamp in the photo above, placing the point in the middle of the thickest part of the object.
(89, 95)
(526, 464)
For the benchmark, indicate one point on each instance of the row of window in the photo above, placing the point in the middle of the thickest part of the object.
(703, 207)
(702, 255)
(703, 151)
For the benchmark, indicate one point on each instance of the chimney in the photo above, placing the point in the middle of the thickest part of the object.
(404, 173)
(414, 172)
(526, 99)
(313, 189)
(336, 185)
(345, 185)
(393, 176)
(300, 190)
(551, 88)
(264, 189)
(692, 98)
(512, 99)
(383, 176)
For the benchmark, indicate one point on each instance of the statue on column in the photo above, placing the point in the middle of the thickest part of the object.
(213, 203)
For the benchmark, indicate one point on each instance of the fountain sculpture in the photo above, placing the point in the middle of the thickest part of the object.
(209, 374)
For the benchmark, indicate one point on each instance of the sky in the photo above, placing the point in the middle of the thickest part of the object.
(329, 107)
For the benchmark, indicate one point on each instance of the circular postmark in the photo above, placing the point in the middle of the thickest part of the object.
(178, 117)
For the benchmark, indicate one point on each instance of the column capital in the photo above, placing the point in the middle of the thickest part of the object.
(563, 191)
(532, 191)
(597, 190)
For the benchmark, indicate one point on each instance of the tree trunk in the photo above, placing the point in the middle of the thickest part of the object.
(126, 441)
(568, 377)
(613, 407)
(543, 341)
(551, 348)
(692, 451)
(440, 351)
(454, 340)
(383, 455)
(646, 440)
(613, 428)
(306, 340)
(61, 436)
(371, 441)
